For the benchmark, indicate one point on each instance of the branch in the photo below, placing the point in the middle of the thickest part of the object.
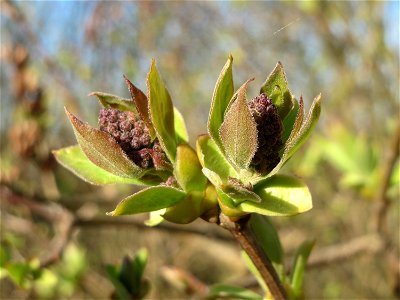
(61, 218)
(244, 236)
(331, 254)
(384, 201)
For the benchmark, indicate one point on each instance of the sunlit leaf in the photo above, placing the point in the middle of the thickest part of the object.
(142, 105)
(223, 93)
(281, 196)
(149, 199)
(182, 135)
(293, 120)
(103, 150)
(187, 169)
(305, 130)
(276, 88)
(161, 112)
(238, 131)
(112, 101)
(211, 158)
(73, 159)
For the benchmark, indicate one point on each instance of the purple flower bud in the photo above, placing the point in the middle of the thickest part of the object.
(269, 128)
(131, 133)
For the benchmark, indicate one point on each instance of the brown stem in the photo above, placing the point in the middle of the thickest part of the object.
(244, 236)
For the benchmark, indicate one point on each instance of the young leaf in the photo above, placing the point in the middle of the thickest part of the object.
(239, 193)
(223, 93)
(120, 290)
(223, 291)
(298, 121)
(188, 170)
(253, 269)
(155, 217)
(149, 199)
(299, 266)
(290, 120)
(142, 105)
(73, 159)
(182, 135)
(211, 158)
(238, 131)
(112, 101)
(281, 196)
(185, 211)
(267, 237)
(276, 87)
(161, 112)
(295, 142)
(103, 150)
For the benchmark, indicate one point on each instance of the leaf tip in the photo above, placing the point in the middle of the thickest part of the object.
(111, 213)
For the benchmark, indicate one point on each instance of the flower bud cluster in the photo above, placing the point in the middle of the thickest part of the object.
(269, 128)
(131, 133)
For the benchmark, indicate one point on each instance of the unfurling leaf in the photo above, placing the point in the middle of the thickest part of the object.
(238, 132)
(295, 142)
(142, 105)
(182, 135)
(149, 199)
(222, 95)
(186, 211)
(112, 101)
(299, 266)
(267, 236)
(281, 196)
(161, 112)
(75, 160)
(188, 170)
(276, 88)
(211, 158)
(223, 291)
(103, 150)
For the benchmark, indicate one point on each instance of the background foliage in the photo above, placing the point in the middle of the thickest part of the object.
(54, 53)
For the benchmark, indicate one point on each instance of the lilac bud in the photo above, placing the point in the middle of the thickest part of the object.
(269, 128)
(131, 133)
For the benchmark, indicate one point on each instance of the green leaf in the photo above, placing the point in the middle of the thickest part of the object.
(212, 158)
(238, 192)
(267, 236)
(238, 131)
(299, 266)
(298, 139)
(276, 87)
(120, 290)
(253, 269)
(102, 150)
(142, 105)
(185, 211)
(182, 135)
(112, 101)
(224, 291)
(73, 159)
(188, 169)
(161, 112)
(149, 199)
(290, 121)
(281, 196)
(155, 218)
(223, 93)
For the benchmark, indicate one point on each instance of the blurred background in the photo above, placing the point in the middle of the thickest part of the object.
(55, 237)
